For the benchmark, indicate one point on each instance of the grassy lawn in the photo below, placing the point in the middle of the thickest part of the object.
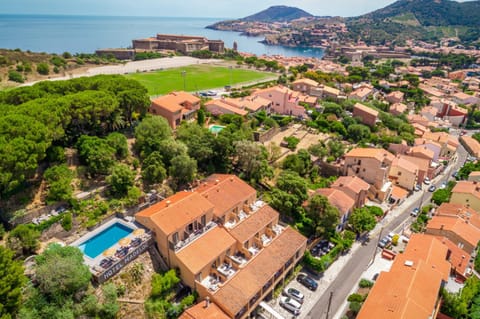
(197, 78)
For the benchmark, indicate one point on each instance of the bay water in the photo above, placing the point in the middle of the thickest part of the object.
(85, 34)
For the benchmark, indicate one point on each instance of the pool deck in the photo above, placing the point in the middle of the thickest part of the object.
(94, 263)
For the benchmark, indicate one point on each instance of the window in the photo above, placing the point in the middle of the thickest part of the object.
(359, 162)
(246, 245)
(203, 220)
(399, 173)
(228, 252)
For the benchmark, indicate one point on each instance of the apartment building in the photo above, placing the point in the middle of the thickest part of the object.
(368, 115)
(227, 244)
(372, 165)
(466, 193)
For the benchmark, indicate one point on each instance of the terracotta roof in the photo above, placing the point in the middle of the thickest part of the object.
(471, 144)
(474, 173)
(200, 311)
(398, 107)
(428, 249)
(306, 81)
(177, 210)
(403, 294)
(361, 92)
(331, 90)
(420, 149)
(173, 101)
(396, 94)
(441, 137)
(225, 192)
(365, 109)
(205, 250)
(458, 226)
(222, 104)
(237, 292)
(423, 164)
(378, 153)
(459, 258)
(252, 103)
(466, 213)
(410, 289)
(467, 187)
(253, 224)
(338, 199)
(353, 183)
(398, 192)
(404, 164)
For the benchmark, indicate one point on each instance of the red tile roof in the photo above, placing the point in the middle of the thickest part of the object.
(237, 292)
(225, 192)
(176, 211)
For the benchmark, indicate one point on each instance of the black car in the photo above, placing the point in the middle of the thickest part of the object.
(432, 189)
(307, 282)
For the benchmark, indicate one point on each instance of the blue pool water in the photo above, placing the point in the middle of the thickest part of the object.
(216, 128)
(104, 240)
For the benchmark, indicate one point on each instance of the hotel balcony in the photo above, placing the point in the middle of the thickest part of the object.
(212, 282)
(226, 270)
(190, 237)
(239, 258)
(235, 219)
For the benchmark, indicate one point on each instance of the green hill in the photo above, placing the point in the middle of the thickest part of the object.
(278, 14)
(432, 12)
(427, 20)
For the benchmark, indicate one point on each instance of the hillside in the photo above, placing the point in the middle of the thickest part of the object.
(278, 14)
(431, 12)
(270, 15)
(427, 20)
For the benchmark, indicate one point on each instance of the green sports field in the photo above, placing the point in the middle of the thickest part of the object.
(196, 78)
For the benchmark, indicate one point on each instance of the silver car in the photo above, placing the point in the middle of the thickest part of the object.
(291, 305)
(294, 294)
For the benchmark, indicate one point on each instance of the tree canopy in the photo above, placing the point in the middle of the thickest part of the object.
(11, 282)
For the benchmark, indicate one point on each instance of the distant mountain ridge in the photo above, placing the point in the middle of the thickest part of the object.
(431, 12)
(278, 14)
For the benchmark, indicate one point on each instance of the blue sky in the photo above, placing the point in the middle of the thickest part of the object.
(185, 8)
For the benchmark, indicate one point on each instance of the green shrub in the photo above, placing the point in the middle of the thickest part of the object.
(365, 283)
(355, 307)
(292, 142)
(355, 298)
(67, 221)
(15, 76)
(43, 68)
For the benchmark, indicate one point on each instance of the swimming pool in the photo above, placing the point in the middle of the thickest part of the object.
(104, 240)
(215, 128)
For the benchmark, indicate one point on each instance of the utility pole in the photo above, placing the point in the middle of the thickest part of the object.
(329, 304)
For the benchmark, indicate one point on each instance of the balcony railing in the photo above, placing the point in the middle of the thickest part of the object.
(194, 235)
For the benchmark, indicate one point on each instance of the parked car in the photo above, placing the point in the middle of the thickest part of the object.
(418, 187)
(455, 174)
(307, 282)
(443, 185)
(390, 236)
(415, 212)
(426, 181)
(291, 305)
(294, 294)
(383, 242)
(432, 188)
(374, 278)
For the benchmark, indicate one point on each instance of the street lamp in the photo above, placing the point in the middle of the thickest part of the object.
(184, 74)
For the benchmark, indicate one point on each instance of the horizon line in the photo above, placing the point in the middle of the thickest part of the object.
(106, 15)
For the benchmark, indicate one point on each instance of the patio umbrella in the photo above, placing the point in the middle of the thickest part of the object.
(124, 241)
(109, 252)
(139, 231)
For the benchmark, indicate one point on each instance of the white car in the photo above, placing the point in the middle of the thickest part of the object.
(426, 181)
(443, 186)
(291, 305)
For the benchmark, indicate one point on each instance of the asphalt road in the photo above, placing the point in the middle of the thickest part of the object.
(360, 260)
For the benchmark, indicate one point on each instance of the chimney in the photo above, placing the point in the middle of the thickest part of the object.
(441, 227)
(168, 203)
(207, 302)
(217, 181)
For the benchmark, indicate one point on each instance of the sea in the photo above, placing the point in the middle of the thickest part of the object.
(85, 34)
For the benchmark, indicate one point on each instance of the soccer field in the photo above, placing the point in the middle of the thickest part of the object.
(196, 78)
